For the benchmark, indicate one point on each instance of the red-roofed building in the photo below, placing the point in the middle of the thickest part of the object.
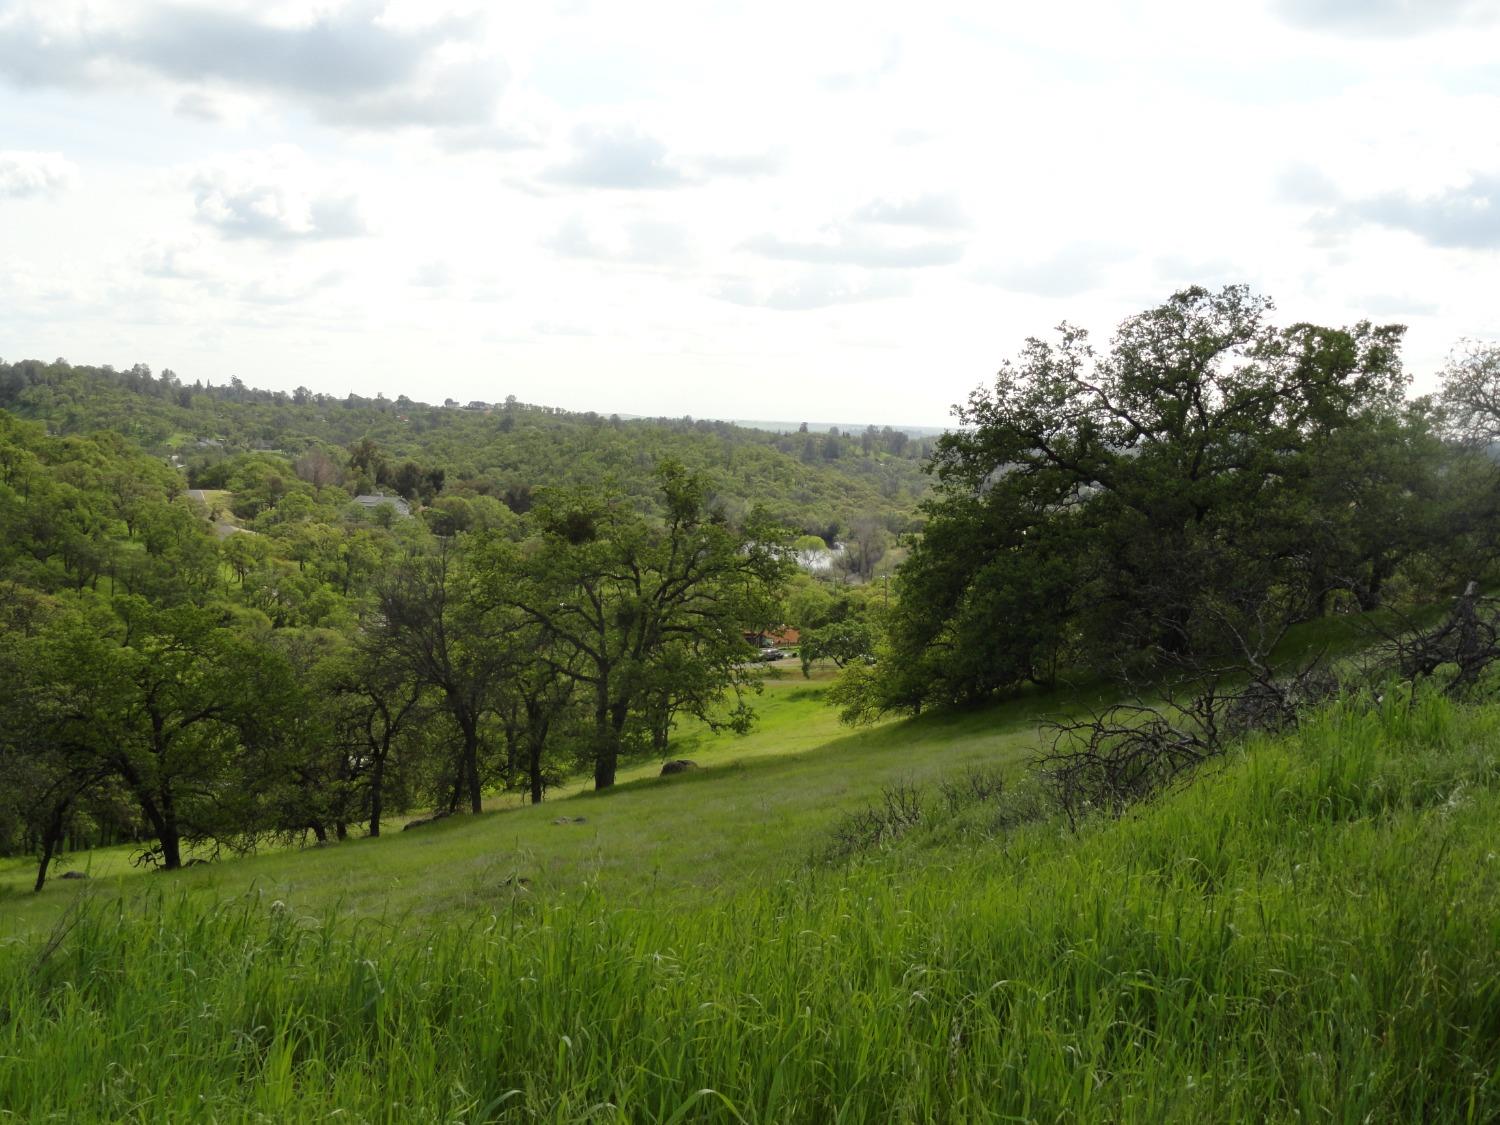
(785, 637)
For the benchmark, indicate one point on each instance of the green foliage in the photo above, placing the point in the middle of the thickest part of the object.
(1207, 471)
(842, 642)
(647, 617)
(1470, 395)
(166, 701)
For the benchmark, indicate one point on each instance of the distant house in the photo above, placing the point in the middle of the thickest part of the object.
(372, 500)
(778, 638)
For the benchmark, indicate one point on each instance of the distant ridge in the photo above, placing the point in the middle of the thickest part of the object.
(855, 428)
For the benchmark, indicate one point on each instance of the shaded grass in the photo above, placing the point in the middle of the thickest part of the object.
(1312, 932)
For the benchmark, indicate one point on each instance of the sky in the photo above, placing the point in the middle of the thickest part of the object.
(829, 211)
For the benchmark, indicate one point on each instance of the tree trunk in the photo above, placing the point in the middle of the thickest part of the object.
(606, 747)
(169, 834)
(171, 848)
(468, 767)
(1371, 593)
(43, 864)
(606, 758)
(50, 839)
(377, 793)
(471, 772)
(1468, 633)
(1318, 587)
(162, 817)
(513, 742)
(609, 758)
(536, 743)
(52, 836)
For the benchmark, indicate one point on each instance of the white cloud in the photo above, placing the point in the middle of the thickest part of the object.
(489, 138)
(273, 197)
(30, 174)
(620, 157)
(1386, 17)
(935, 211)
(854, 248)
(1462, 217)
(814, 289)
(1065, 272)
(1305, 183)
(746, 165)
(433, 275)
(288, 288)
(1400, 306)
(200, 106)
(642, 242)
(182, 261)
(346, 64)
(602, 210)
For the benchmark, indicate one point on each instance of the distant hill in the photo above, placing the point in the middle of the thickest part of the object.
(818, 481)
(855, 428)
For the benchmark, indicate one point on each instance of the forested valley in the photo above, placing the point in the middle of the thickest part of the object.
(235, 617)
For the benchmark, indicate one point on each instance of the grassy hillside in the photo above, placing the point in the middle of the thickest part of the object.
(1308, 933)
(753, 812)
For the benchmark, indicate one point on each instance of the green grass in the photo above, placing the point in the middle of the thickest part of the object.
(755, 809)
(218, 498)
(1309, 932)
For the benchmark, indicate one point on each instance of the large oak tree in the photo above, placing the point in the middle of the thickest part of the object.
(1104, 502)
(645, 613)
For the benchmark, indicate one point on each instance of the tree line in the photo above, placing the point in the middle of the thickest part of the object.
(166, 683)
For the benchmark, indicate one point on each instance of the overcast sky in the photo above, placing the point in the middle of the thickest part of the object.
(770, 210)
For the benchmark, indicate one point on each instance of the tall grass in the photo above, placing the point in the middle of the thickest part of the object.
(1312, 933)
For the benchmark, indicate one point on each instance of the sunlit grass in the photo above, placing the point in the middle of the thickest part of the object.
(755, 807)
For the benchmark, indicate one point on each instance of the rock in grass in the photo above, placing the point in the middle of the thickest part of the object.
(571, 820)
(73, 875)
(681, 765)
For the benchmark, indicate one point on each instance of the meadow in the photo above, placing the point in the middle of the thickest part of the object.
(757, 804)
(1310, 931)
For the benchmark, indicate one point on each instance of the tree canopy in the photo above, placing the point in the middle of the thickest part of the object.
(1103, 505)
